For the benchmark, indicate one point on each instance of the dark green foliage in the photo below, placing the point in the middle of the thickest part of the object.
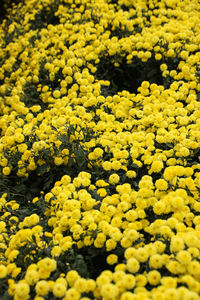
(45, 16)
(5, 7)
(129, 76)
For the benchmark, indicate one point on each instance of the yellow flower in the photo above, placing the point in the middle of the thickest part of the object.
(3, 162)
(31, 277)
(163, 67)
(98, 152)
(156, 261)
(141, 280)
(142, 254)
(91, 156)
(101, 183)
(169, 282)
(153, 277)
(16, 272)
(6, 171)
(134, 153)
(129, 252)
(107, 165)
(176, 244)
(88, 240)
(112, 259)
(13, 254)
(133, 265)
(19, 137)
(169, 173)
(161, 184)
(118, 275)
(110, 211)
(132, 235)
(191, 240)
(115, 234)
(123, 206)
(66, 179)
(110, 245)
(80, 285)
(124, 188)
(116, 165)
(193, 251)
(129, 281)
(85, 182)
(171, 293)
(100, 240)
(102, 192)
(77, 182)
(171, 161)
(43, 273)
(22, 290)
(159, 207)
(102, 280)
(125, 242)
(56, 251)
(120, 286)
(156, 166)
(194, 268)
(131, 215)
(56, 94)
(109, 289)
(145, 192)
(114, 178)
(59, 290)
(131, 174)
(72, 276)
(3, 271)
(47, 264)
(11, 267)
(158, 56)
(120, 267)
(72, 294)
(34, 219)
(145, 84)
(91, 284)
(127, 296)
(12, 285)
(36, 199)
(35, 108)
(116, 221)
(42, 288)
(184, 257)
(58, 161)
(51, 285)
(177, 202)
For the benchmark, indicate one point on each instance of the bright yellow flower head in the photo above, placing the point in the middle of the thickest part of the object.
(3, 271)
(59, 290)
(47, 264)
(42, 288)
(31, 277)
(133, 265)
(22, 290)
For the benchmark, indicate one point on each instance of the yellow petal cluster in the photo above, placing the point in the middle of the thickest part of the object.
(99, 150)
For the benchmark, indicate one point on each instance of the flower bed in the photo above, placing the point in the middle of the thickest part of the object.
(99, 150)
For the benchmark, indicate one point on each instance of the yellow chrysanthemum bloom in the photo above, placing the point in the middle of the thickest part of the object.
(59, 290)
(3, 271)
(42, 288)
(22, 290)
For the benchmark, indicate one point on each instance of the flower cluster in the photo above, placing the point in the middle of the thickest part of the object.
(99, 177)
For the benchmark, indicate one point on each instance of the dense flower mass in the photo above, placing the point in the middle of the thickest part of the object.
(99, 150)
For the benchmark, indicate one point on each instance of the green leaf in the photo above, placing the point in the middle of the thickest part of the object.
(43, 169)
(80, 159)
(6, 296)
